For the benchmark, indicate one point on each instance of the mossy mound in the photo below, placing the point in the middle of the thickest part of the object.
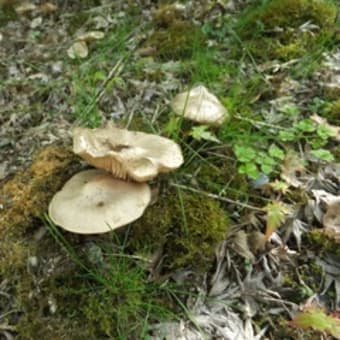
(187, 226)
(173, 36)
(273, 29)
(110, 301)
(25, 199)
(322, 243)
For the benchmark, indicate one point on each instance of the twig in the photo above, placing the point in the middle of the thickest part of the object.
(217, 197)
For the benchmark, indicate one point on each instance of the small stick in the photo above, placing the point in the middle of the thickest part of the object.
(217, 197)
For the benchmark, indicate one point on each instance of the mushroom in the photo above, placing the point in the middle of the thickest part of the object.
(127, 154)
(199, 105)
(93, 202)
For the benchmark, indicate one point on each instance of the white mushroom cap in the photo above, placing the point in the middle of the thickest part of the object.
(127, 154)
(94, 202)
(200, 105)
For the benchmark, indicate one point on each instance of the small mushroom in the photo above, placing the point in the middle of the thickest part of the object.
(127, 154)
(200, 105)
(331, 220)
(94, 202)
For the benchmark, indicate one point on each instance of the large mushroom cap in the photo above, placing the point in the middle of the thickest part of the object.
(94, 202)
(127, 154)
(200, 105)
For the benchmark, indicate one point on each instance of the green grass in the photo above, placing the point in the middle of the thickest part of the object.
(96, 75)
(120, 301)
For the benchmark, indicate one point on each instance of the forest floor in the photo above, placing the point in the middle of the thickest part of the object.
(238, 243)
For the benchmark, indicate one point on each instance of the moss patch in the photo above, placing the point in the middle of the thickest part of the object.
(187, 226)
(173, 36)
(25, 199)
(273, 30)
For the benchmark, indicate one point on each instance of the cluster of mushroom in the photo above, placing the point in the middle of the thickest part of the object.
(116, 193)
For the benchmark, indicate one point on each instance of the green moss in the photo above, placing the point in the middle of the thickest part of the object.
(25, 199)
(333, 112)
(176, 41)
(174, 37)
(7, 13)
(272, 30)
(323, 243)
(187, 226)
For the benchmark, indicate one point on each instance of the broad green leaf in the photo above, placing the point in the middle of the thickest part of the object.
(323, 155)
(244, 154)
(325, 131)
(287, 135)
(276, 152)
(276, 215)
(305, 125)
(249, 169)
(266, 168)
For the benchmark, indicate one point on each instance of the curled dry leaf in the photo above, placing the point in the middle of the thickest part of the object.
(292, 166)
(78, 50)
(48, 7)
(241, 247)
(91, 36)
(331, 220)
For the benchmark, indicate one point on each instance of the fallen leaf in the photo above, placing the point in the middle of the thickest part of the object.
(241, 247)
(331, 220)
(25, 8)
(292, 166)
(91, 36)
(48, 8)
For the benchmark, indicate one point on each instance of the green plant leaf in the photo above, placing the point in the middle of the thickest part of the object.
(291, 109)
(244, 154)
(287, 135)
(249, 169)
(325, 132)
(267, 169)
(316, 318)
(276, 215)
(276, 152)
(201, 133)
(323, 155)
(305, 125)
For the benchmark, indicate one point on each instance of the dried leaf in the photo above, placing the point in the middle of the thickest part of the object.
(48, 7)
(276, 215)
(240, 245)
(25, 8)
(292, 165)
(78, 50)
(315, 318)
(331, 220)
(91, 36)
